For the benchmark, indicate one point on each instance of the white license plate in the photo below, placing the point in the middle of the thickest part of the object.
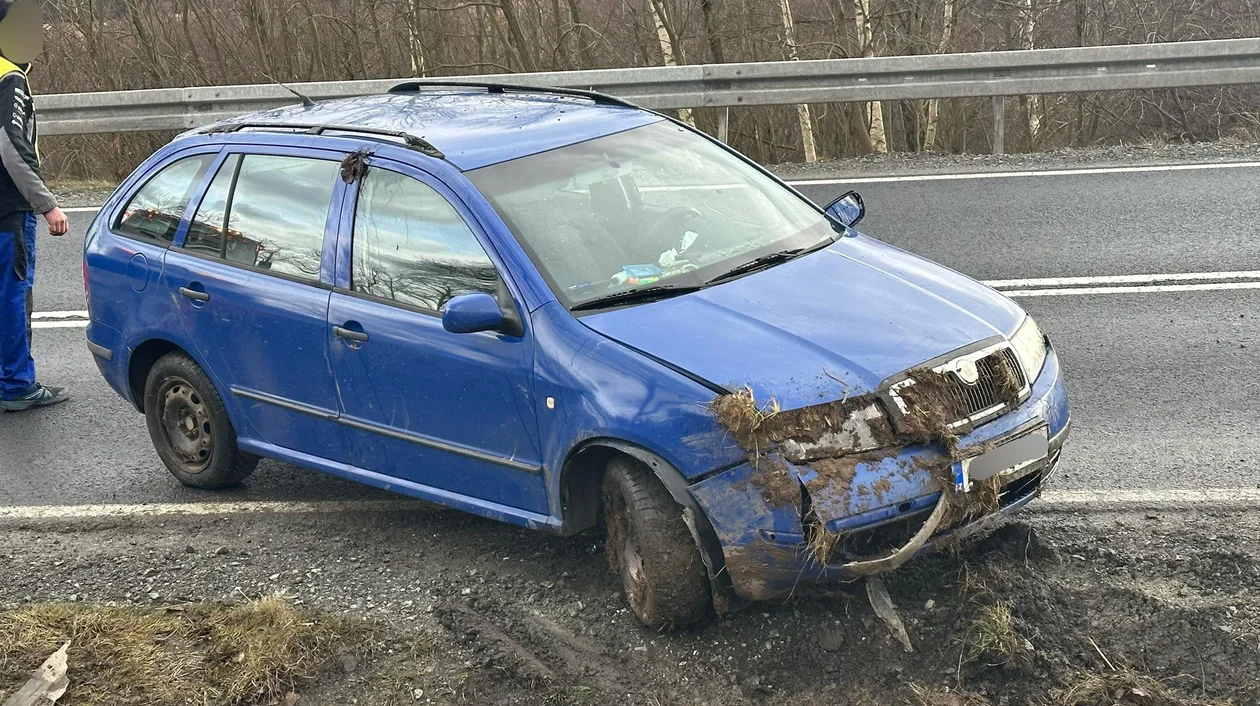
(1007, 459)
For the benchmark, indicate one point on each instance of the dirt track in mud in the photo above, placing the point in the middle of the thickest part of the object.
(475, 612)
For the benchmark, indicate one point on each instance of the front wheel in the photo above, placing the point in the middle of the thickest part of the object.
(652, 550)
(190, 427)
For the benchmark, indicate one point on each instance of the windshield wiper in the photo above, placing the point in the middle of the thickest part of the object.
(765, 261)
(636, 296)
(759, 263)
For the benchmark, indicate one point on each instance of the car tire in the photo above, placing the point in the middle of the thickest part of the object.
(190, 427)
(649, 546)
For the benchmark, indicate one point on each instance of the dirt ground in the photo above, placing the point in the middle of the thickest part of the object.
(1142, 608)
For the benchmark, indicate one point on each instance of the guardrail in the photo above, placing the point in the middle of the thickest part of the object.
(983, 74)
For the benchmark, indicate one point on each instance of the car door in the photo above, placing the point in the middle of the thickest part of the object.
(251, 283)
(125, 270)
(452, 412)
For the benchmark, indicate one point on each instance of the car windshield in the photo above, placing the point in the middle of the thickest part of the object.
(656, 206)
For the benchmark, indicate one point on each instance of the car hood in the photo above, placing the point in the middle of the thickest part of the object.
(830, 324)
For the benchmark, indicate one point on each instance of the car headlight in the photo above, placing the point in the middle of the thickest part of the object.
(1030, 346)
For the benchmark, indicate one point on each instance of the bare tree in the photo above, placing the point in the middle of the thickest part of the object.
(866, 37)
(516, 36)
(671, 48)
(709, 12)
(948, 20)
(1027, 40)
(802, 110)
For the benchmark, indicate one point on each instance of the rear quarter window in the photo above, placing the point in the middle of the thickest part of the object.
(155, 211)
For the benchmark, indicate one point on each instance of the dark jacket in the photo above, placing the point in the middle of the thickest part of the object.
(22, 187)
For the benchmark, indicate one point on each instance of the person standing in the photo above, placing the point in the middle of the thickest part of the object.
(23, 194)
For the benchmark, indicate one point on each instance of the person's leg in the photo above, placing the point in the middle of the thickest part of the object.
(17, 370)
(19, 389)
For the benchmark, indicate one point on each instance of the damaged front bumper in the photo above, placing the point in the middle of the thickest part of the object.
(880, 507)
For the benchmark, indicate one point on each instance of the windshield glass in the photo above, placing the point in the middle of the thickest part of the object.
(656, 206)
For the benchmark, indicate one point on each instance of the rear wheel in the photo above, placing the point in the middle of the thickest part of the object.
(190, 427)
(650, 547)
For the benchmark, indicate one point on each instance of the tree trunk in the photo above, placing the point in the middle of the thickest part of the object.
(802, 110)
(866, 39)
(671, 52)
(710, 31)
(156, 67)
(415, 49)
(934, 105)
(1033, 105)
(584, 50)
(853, 111)
(516, 36)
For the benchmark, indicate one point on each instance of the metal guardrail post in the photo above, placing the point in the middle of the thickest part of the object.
(724, 124)
(999, 124)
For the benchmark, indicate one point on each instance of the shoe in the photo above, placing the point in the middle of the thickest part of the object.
(41, 396)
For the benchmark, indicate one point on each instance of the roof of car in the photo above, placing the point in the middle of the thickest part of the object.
(470, 126)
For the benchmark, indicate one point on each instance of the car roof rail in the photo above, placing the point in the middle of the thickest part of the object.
(414, 142)
(596, 96)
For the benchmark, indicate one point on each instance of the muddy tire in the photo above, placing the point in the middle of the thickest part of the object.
(190, 427)
(650, 547)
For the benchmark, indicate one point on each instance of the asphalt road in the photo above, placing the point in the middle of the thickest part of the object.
(1163, 384)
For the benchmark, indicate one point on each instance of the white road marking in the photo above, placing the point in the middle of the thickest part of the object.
(59, 319)
(1050, 501)
(1121, 279)
(1170, 498)
(939, 177)
(59, 324)
(1076, 291)
(1037, 173)
(60, 314)
(275, 507)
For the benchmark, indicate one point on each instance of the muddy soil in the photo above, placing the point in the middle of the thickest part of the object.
(477, 612)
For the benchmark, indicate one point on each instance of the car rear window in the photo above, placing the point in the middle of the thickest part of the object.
(411, 246)
(267, 212)
(158, 207)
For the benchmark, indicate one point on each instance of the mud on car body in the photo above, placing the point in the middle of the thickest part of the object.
(558, 310)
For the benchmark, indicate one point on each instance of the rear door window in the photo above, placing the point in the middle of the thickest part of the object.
(267, 212)
(412, 247)
(156, 210)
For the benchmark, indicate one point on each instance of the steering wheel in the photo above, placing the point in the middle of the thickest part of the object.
(674, 217)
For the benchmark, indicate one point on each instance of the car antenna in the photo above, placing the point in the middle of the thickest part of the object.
(306, 100)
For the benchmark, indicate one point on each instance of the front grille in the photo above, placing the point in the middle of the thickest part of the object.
(987, 392)
(982, 399)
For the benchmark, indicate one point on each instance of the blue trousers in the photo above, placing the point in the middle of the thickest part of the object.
(17, 276)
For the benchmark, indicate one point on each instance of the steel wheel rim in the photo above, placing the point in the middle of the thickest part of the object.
(185, 422)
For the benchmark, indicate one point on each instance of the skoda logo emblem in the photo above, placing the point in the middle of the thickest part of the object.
(967, 371)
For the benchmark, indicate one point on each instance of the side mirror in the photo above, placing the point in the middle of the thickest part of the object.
(472, 312)
(847, 210)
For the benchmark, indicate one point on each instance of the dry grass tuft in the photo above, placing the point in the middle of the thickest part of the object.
(116, 654)
(1124, 688)
(1009, 381)
(993, 637)
(260, 651)
(821, 543)
(249, 654)
(742, 417)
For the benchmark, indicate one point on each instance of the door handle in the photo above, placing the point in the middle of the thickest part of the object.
(356, 336)
(194, 294)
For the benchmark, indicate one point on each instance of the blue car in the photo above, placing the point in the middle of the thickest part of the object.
(558, 310)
